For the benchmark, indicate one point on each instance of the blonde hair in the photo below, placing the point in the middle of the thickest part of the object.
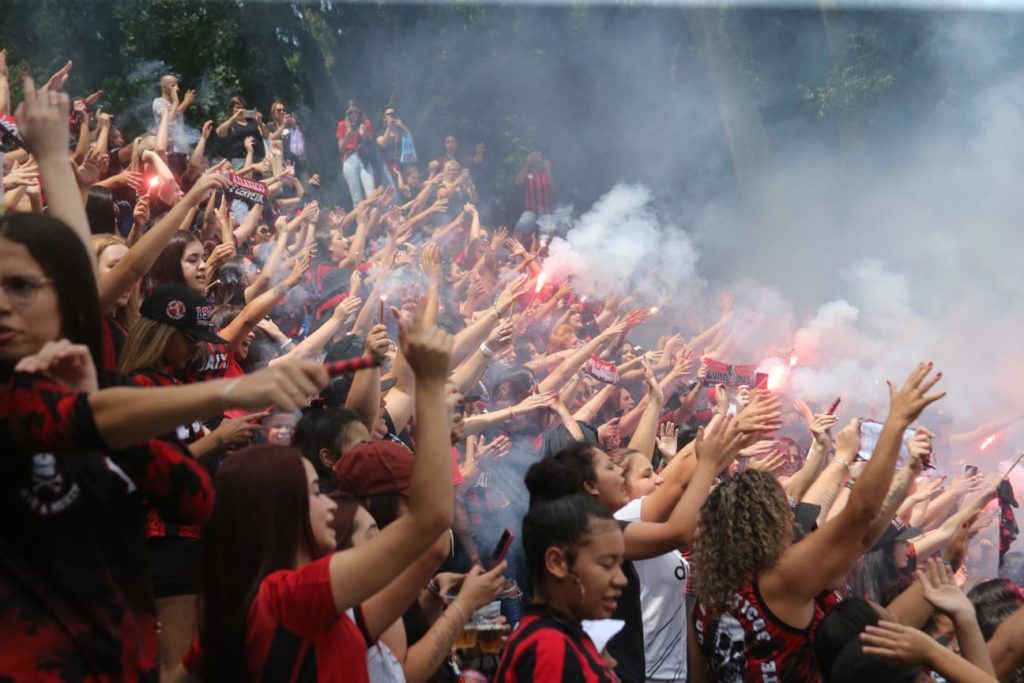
(144, 349)
(128, 314)
(143, 143)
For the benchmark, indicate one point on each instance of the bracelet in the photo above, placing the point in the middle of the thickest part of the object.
(844, 463)
(849, 485)
(465, 619)
(486, 350)
(285, 343)
(434, 588)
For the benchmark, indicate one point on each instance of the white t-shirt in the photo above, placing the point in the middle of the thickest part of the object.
(176, 136)
(663, 603)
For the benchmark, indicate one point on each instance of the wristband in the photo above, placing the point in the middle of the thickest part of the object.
(486, 350)
(844, 463)
(849, 485)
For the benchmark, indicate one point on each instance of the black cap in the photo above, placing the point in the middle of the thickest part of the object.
(180, 306)
(896, 531)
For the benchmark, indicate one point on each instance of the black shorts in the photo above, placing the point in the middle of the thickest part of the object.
(174, 565)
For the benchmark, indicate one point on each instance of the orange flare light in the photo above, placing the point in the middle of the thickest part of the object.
(776, 376)
(988, 441)
(540, 283)
(793, 360)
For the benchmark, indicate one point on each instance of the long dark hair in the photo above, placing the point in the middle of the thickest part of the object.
(564, 523)
(563, 474)
(261, 517)
(99, 209)
(65, 260)
(167, 267)
(874, 575)
(321, 427)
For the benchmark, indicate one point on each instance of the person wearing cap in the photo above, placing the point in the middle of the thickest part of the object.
(379, 474)
(174, 320)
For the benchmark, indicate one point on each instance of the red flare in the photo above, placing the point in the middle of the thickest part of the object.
(793, 360)
(988, 440)
(350, 365)
(540, 283)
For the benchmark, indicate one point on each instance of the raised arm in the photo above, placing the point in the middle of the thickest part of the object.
(43, 123)
(119, 417)
(257, 309)
(808, 567)
(646, 433)
(360, 572)
(563, 372)
(713, 453)
(143, 254)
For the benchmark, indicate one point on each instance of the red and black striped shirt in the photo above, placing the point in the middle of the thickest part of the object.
(548, 646)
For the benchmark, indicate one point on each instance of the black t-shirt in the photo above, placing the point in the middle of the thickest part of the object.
(237, 134)
(627, 647)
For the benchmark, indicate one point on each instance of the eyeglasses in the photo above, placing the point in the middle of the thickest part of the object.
(353, 112)
(22, 289)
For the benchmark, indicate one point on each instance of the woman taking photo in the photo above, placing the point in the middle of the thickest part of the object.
(756, 589)
(574, 552)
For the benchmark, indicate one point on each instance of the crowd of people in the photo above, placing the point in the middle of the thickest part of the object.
(509, 488)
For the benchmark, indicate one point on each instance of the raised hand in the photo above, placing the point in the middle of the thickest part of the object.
(848, 440)
(608, 433)
(59, 79)
(43, 122)
(764, 414)
(907, 402)
(772, 464)
(940, 589)
(513, 290)
(897, 644)
(347, 308)
(64, 362)
(140, 214)
(22, 175)
(759, 449)
(668, 438)
(719, 448)
(427, 348)
(91, 168)
(920, 447)
(535, 402)
(820, 427)
(430, 260)
(495, 449)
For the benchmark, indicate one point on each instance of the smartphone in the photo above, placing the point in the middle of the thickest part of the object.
(501, 550)
(249, 113)
(970, 470)
(870, 430)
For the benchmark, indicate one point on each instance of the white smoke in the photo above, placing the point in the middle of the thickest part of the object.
(622, 246)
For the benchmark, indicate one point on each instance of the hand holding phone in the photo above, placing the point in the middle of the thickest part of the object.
(501, 550)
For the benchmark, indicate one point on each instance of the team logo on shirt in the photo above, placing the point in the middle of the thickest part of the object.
(49, 492)
(175, 309)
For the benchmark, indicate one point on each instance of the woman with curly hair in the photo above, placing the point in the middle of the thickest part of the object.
(756, 589)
